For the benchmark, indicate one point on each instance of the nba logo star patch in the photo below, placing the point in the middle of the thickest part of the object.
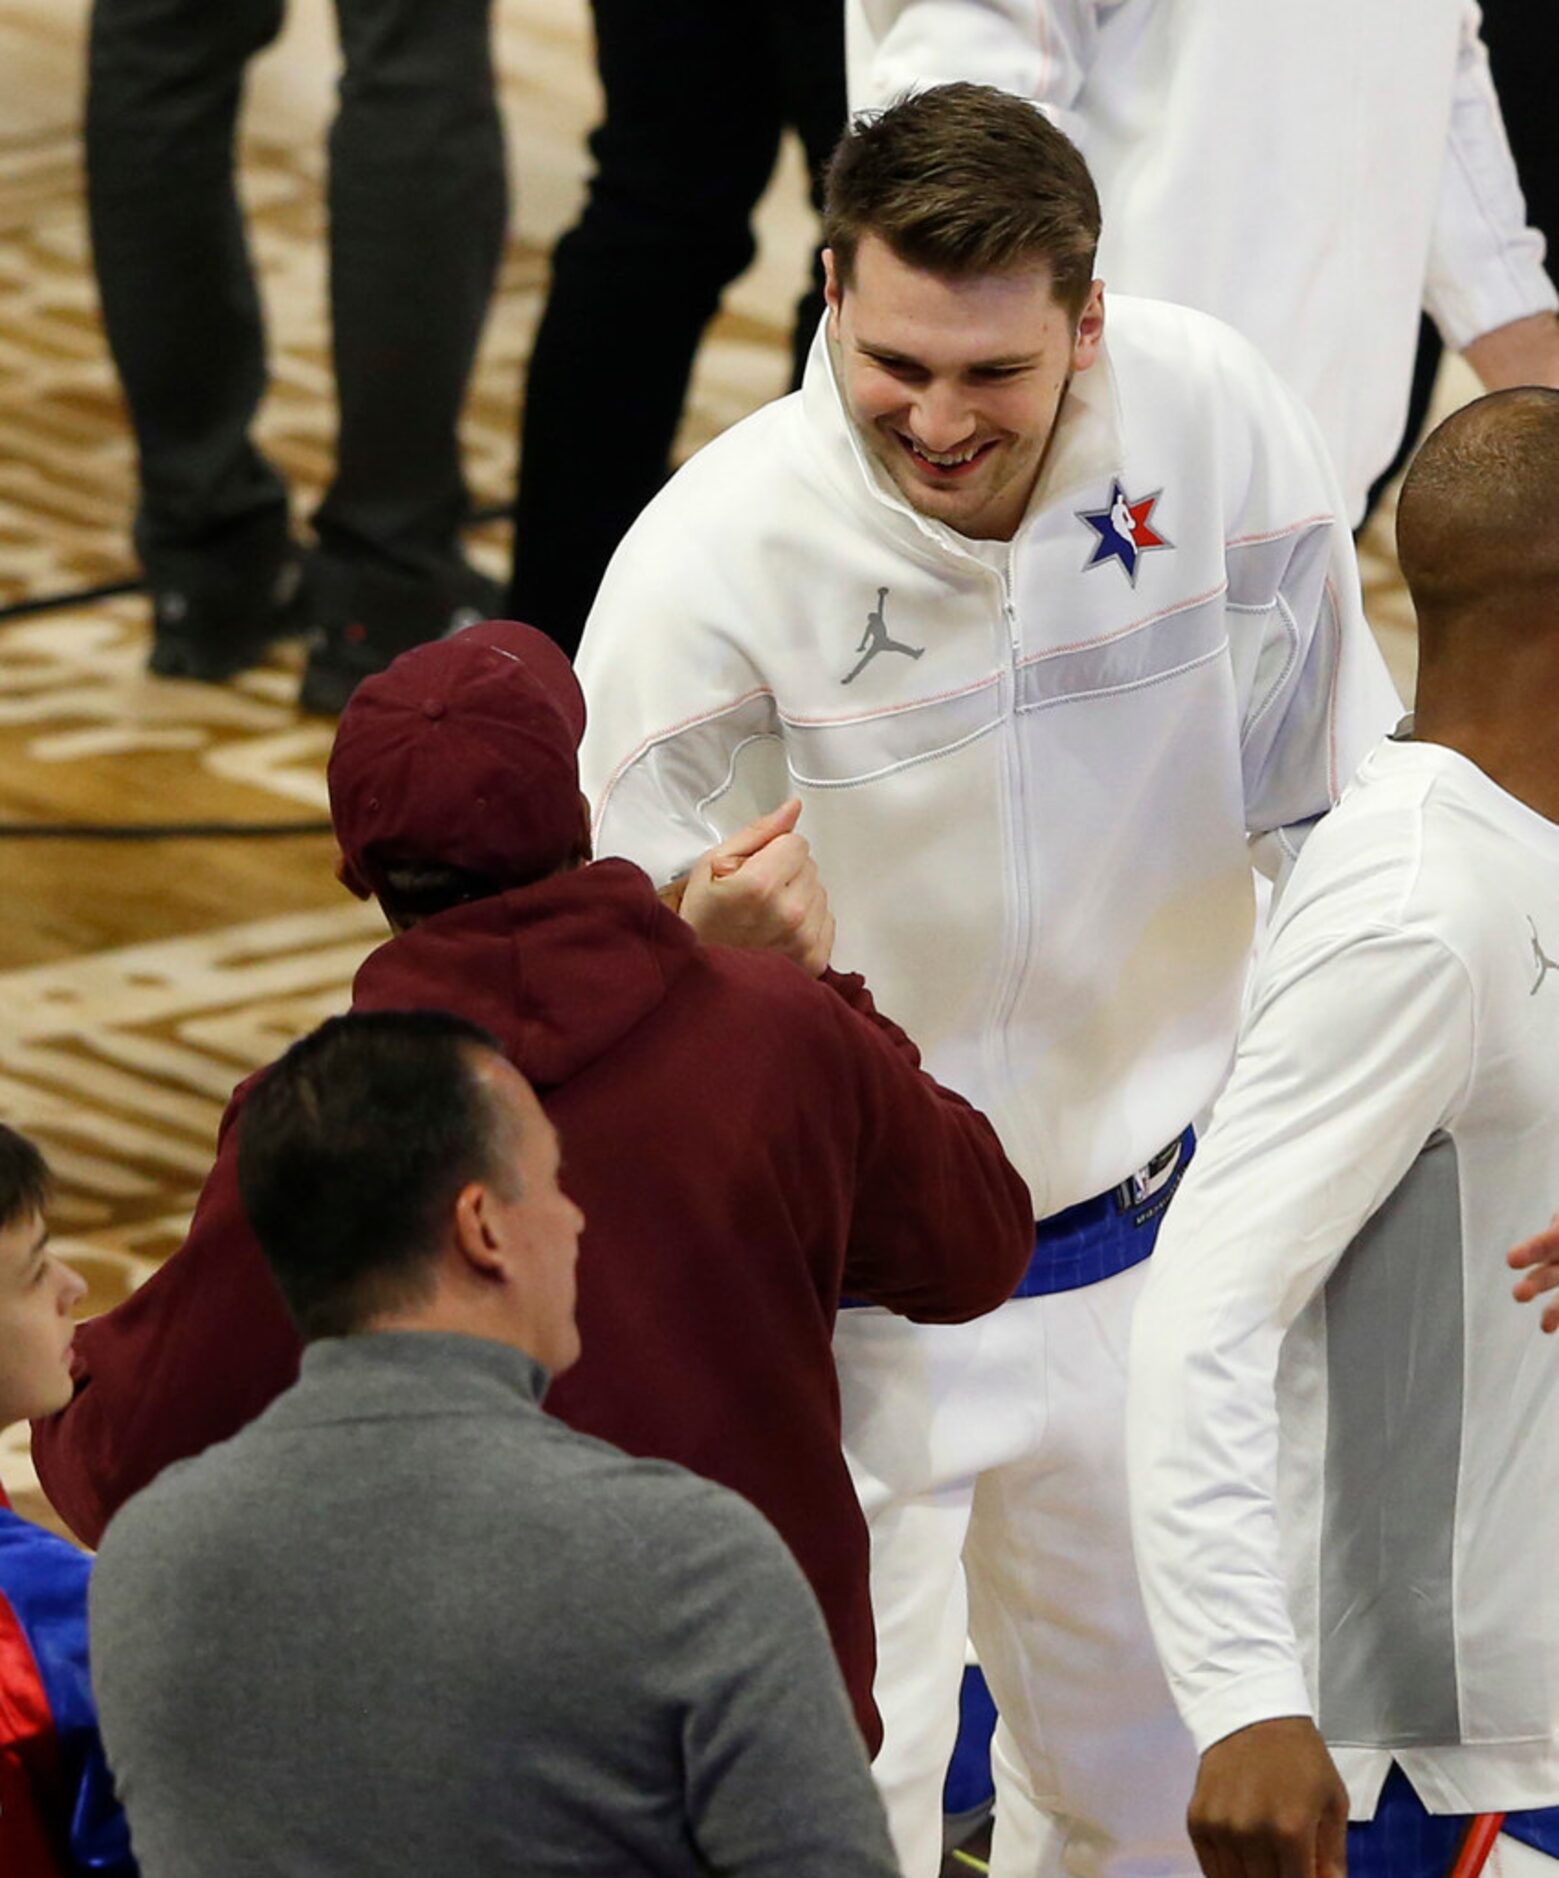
(1125, 531)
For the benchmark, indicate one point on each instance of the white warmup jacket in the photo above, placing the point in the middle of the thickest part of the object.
(1031, 809)
(1312, 174)
(1344, 1474)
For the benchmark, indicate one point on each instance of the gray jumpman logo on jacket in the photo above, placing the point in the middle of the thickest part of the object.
(876, 639)
(1540, 959)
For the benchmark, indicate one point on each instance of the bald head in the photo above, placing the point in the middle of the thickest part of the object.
(1478, 522)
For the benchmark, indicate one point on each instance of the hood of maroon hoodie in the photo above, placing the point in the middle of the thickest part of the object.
(559, 971)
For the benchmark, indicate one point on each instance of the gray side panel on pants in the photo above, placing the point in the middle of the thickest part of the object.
(1394, 1333)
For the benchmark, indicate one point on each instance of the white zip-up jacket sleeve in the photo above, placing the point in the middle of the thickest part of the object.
(1356, 1049)
(677, 705)
(1485, 263)
(1042, 51)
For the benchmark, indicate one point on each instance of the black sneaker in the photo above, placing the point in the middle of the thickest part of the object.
(367, 614)
(214, 616)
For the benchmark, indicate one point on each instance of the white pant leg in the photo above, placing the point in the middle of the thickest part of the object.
(1094, 1767)
(1028, 1837)
(922, 1623)
(926, 1407)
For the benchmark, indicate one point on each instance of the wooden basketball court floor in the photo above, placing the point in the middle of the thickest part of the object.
(140, 980)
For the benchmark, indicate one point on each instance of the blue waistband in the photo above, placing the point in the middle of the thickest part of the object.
(1097, 1238)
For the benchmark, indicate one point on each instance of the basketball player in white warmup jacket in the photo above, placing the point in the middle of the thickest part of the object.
(1344, 1473)
(1047, 614)
(1313, 174)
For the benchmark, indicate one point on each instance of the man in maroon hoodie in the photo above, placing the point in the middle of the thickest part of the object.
(746, 1141)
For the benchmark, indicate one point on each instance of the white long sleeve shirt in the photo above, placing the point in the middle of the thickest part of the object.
(1312, 174)
(1032, 813)
(1341, 1428)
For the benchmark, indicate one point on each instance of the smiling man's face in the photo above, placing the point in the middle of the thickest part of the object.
(955, 383)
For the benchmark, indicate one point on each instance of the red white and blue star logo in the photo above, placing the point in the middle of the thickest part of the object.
(1125, 530)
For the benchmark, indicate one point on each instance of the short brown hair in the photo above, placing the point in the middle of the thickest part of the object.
(964, 179)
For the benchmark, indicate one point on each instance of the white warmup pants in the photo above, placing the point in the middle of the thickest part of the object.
(990, 1463)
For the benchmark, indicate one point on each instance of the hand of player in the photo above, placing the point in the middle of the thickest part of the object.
(1270, 1804)
(1539, 1259)
(759, 888)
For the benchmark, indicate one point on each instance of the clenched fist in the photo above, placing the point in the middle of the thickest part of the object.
(1270, 1804)
(760, 888)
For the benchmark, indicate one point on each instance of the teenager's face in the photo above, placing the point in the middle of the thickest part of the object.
(38, 1293)
(954, 384)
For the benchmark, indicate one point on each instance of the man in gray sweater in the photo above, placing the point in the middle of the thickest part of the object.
(405, 1622)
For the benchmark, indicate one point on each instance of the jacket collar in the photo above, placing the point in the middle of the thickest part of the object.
(384, 1374)
(1085, 450)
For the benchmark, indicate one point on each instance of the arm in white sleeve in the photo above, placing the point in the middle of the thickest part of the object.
(1356, 1049)
(1485, 262)
(1317, 698)
(682, 743)
(1039, 49)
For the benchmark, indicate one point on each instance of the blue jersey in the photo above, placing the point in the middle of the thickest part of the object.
(57, 1808)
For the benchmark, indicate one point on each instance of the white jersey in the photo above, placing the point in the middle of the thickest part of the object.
(1344, 1473)
(1029, 785)
(1312, 174)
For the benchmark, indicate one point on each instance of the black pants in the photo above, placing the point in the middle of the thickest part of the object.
(417, 204)
(1523, 41)
(698, 93)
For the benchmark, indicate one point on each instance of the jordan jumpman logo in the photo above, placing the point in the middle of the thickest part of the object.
(1540, 959)
(876, 638)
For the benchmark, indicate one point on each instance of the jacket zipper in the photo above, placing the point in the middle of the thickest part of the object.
(1018, 921)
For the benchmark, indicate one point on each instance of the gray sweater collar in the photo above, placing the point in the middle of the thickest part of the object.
(412, 1371)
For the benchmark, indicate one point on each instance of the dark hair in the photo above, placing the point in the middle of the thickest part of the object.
(1476, 520)
(964, 179)
(416, 890)
(351, 1151)
(24, 1177)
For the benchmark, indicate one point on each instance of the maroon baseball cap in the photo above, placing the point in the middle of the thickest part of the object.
(462, 753)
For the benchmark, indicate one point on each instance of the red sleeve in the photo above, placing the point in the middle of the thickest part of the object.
(943, 1225)
(31, 1789)
(187, 1360)
(851, 987)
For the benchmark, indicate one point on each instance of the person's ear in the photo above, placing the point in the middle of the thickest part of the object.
(833, 287)
(479, 1235)
(349, 878)
(1090, 329)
